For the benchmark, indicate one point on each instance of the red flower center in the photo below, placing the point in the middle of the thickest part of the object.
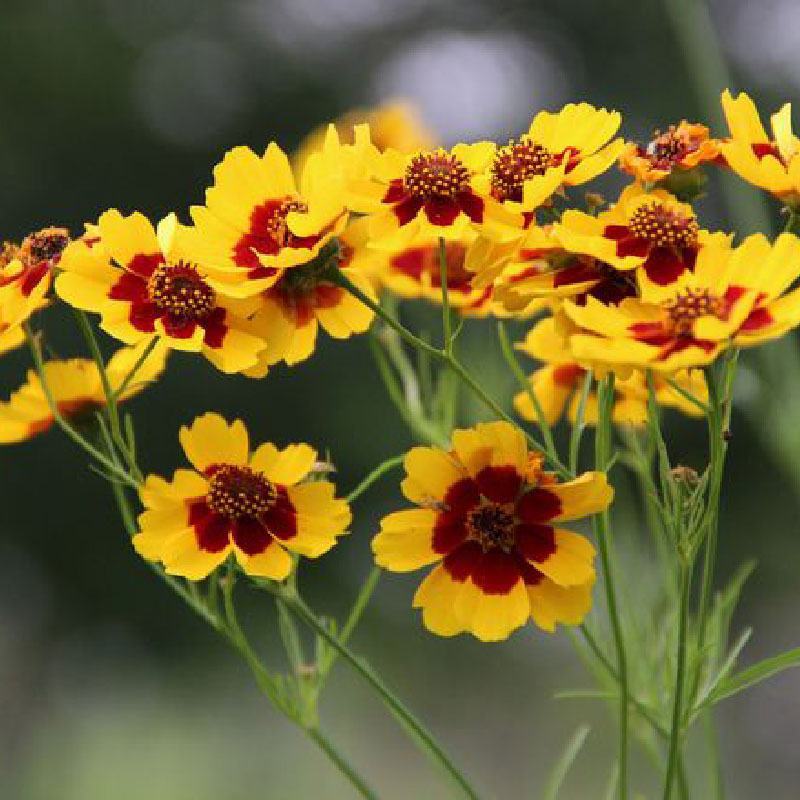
(45, 245)
(690, 305)
(179, 291)
(654, 222)
(436, 175)
(492, 526)
(516, 163)
(275, 225)
(667, 149)
(239, 493)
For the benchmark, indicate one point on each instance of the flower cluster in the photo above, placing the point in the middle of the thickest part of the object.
(280, 247)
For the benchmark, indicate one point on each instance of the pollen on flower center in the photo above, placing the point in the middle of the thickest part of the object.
(667, 148)
(518, 161)
(663, 226)
(179, 290)
(492, 526)
(436, 174)
(44, 245)
(239, 492)
(690, 305)
(276, 227)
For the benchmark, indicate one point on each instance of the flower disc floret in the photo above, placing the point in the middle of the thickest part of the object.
(663, 226)
(180, 291)
(518, 161)
(437, 174)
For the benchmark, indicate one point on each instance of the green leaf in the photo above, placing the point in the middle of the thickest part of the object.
(754, 675)
(584, 694)
(564, 763)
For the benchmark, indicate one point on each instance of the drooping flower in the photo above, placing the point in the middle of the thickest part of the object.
(142, 281)
(651, 232)
(26, 271)
(739, 297)
(255, 505)
(258, 220)
(558, 384)
(565, 148)
(769, 162)
(77, 390)
(488, 516)
(678, 149)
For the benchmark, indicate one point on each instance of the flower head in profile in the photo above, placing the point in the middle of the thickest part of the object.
(739, 297)
(258, 505)
(26, 271)
(771, 162)
(651, 232)
(258, 219)
(676, 150)
(144, 281)
(565, 148)
(489, 516)
(558, 384)
(77, 390)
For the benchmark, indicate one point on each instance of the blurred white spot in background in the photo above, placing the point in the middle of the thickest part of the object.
(313, 29)
(190, 90)
(765, 38)
(472, 85)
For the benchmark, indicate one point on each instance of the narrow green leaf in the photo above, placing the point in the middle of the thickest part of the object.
(583, 694)
(754, 675)
(562, 766)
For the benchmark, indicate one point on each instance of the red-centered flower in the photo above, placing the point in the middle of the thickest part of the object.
(256, 506)
(489, 514)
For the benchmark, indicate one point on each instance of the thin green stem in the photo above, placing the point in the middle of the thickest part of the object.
(376, 474)
(421, 734)
(447, 321)
(601, 528)
(525, 384)
(579, 425)
(344, 766)
(676, 727)
(128, 379)
(110, 466)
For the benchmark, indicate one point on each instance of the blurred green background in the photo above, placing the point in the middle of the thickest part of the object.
(109, 687)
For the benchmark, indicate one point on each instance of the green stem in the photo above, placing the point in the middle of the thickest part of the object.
(146, 353)
(449, 359)
(601, 528)
(525, 385)
(110, 466)
(421, 734)
(344, 766)
(676, 727)
(447, 322)
(375, 475)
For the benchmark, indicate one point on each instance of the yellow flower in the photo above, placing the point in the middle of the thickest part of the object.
(771, 163)
(396, 125)
(257, 220)
(256, 505)
(678, 149)
(739, 297)
(26, 271)
(142, 281)
(428, 193)
(77, 390)
(487, 515)
(566, 148)
(651, 232)
(557, 385)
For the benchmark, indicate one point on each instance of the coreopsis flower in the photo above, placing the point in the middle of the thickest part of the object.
(649, 231)
(680, 148)
(257, 505)
(489, 517)
(738, 297)
(565, 148)
(77, 390)
(769, 162)
(427, 193)
(396, 125)
(258, 220)
(543, 269)
(142, 281)
(558, 384)
(26, 271)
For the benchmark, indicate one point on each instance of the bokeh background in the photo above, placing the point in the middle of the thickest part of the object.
(109, 687)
